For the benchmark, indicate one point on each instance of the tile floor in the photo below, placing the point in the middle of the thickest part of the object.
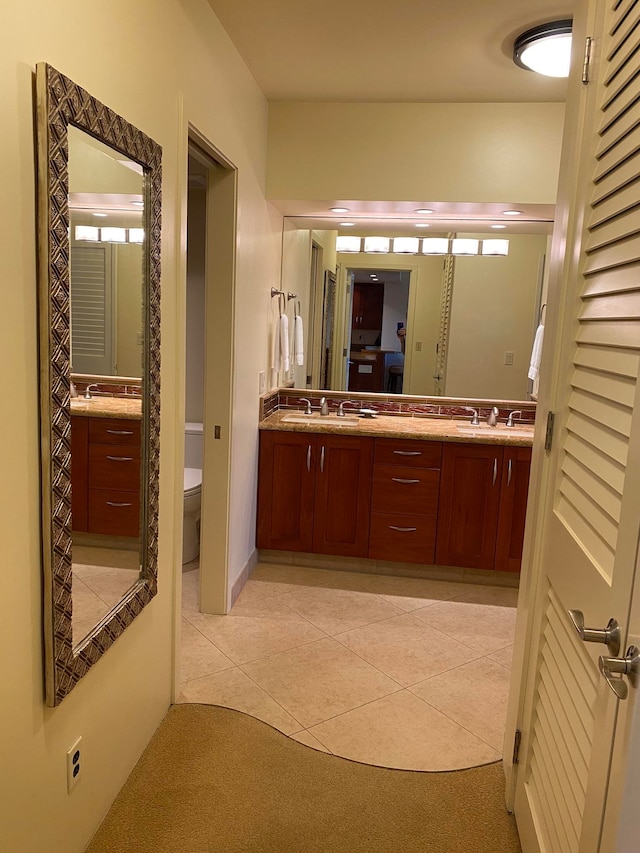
(397, 672)
(101, 576)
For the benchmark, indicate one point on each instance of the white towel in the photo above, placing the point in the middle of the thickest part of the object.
(284, 342)
(298, 340)
(276, 361)
(536, 354)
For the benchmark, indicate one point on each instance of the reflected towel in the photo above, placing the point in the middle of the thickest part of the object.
(284, 342)
(276, 361)
(298, 340)
(536, 354)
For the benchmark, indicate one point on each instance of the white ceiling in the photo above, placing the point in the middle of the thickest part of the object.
(400, 51)
(390, 50)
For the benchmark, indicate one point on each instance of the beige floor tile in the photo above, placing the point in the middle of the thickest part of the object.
(112, 584)
(247, 638)
(330, 562)
(483, 627)
(402, 731)
(406, 649)
(281, 557)
(411, 593)
(415, 570)
(233, 689)
(292, 578)
(503, 656)
(87, 610)
(86, 555)
(474, 695)
(252, 601)
(198, 655)
(308, 739)
(319, 680)
(491, 577)
(338, 610)
(191, 592)
(500, 596)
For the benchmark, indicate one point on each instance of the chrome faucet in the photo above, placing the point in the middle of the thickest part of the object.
(343, 403)
(87, 393)
(307, 410)
(73, 391)
(510, 418)
(492, 417)
(324, 406)
(474, 420)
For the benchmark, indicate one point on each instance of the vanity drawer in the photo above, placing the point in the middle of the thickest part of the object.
(113, 512)
(114, 467)
(114, 431)
(405, 490)
(403, 538)
(408, 452)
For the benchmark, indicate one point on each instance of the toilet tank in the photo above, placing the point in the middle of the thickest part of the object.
(193, 445)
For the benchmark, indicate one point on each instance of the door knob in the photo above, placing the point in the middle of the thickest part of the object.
(610, 636)
(629, 665)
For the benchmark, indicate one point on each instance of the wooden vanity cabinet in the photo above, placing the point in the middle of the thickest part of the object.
(105, 475)
(404, 501)
(314, 493)
(483, 497)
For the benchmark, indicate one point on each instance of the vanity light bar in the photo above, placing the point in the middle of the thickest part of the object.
(401, 245)
(91, 234)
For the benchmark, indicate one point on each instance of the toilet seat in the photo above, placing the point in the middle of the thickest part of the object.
(192, 481)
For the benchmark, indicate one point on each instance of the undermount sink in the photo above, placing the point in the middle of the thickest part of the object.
(484, 430)
(333, 420)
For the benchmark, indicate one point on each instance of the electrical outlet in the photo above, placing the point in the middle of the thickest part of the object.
(262, 382)
(74, 764)
(418, 346)
(508, 358)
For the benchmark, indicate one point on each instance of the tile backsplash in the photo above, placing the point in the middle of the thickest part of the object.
(403, 405)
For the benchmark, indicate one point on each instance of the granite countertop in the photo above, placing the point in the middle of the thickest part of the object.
(128, 408)
(399, 426)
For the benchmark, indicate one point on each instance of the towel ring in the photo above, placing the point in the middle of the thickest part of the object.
(543, 308)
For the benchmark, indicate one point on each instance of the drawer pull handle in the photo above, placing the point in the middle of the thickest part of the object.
(495, 470)
(322, 460)
(309, 458)
(120, 431)
(408, 452)
(509, 474)
(400, 480)
(120, 458)
(403, 529)
(113, 503)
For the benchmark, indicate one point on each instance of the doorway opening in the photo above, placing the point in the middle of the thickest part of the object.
(376, 329)
(211, 229)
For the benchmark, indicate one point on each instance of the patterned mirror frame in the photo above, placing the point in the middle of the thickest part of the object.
(60, 102)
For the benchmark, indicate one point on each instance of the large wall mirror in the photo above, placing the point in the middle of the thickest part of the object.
(99, 200)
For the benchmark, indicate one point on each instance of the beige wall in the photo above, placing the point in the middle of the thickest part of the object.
(160, 66)
(493, 311)
(430, 152)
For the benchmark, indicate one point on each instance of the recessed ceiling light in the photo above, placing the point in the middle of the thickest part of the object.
(99, 214)
(339, 209)
(347, 224)
(498, 226)
(421, 225)
(512, 212)
(372, 275)
(138, 203)
(425, 210)
(545, 49)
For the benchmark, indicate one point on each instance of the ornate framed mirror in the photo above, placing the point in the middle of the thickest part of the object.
(99, 219)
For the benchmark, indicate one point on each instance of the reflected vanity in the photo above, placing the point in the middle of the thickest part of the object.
(99, 201)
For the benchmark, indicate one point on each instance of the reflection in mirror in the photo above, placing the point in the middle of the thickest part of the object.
(99, 230)
(469, 323)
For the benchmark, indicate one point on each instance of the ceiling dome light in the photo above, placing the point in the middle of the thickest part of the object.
(545, 49)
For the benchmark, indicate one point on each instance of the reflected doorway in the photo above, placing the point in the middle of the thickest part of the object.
(376, 328)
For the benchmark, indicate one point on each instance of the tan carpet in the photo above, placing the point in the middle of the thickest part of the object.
(213, 779)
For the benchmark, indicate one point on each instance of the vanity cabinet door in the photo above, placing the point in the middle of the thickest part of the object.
(469, 505)
(513, 508)
(79, 473)
(342, 495)
(286, 486)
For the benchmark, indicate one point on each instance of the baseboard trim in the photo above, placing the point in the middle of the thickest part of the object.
(243, 577)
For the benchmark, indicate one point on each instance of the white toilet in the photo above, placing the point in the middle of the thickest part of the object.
(192, 491)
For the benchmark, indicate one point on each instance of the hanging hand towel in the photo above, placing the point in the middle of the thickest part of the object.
(276, 362)
(298, 340)
(284, 342)
(536, 354)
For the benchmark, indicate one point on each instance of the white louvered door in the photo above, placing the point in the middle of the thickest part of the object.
(591, 521)
(92, 309)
